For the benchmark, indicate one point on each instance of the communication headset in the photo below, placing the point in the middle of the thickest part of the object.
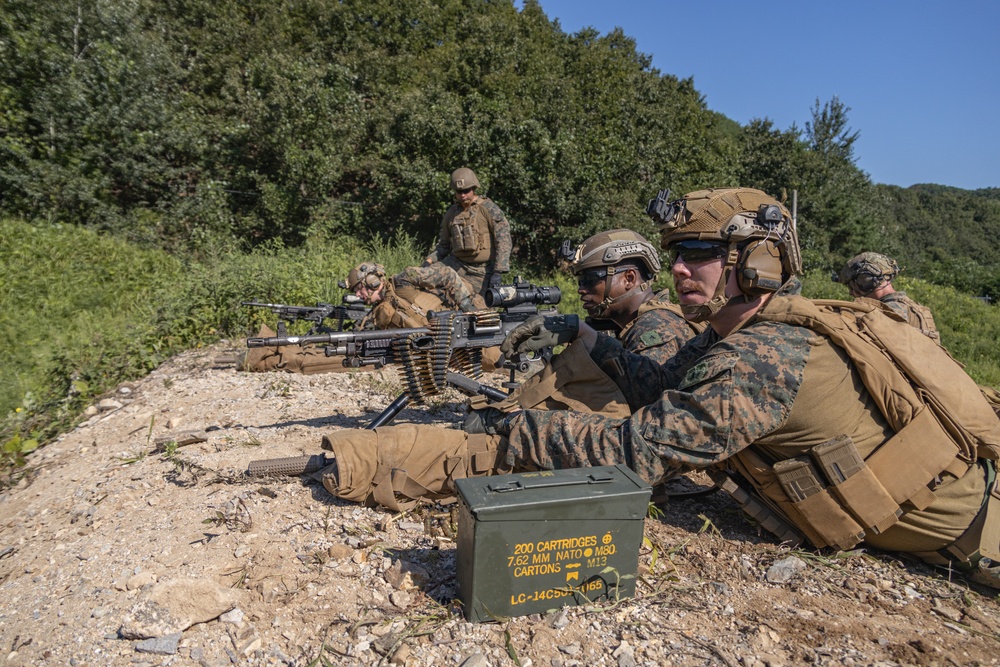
(758, 269)
(759, 266)
(867, 281)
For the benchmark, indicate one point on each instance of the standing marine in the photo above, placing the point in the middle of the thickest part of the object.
(474, 239)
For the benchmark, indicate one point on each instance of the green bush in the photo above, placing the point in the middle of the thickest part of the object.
(85, 311)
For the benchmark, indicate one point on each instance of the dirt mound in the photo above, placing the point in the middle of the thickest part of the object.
(114, 551)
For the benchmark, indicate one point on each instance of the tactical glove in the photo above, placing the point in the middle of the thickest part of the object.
(540, 332)
(487, 420)
(467, 305)
(494, 280)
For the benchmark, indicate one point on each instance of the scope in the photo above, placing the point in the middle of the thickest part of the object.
(508, 296)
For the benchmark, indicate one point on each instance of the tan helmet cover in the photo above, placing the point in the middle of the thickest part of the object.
(609, 249)
(463, 179)
(733, 216)
(370, 272)
(868, 271)
(730, 215)
(614, 247)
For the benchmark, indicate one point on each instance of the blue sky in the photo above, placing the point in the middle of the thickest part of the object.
(921, 79)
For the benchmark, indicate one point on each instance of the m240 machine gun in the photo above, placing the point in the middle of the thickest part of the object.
(447, 352)
(344, 316)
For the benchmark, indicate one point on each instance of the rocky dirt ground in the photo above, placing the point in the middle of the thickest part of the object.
(116, 551)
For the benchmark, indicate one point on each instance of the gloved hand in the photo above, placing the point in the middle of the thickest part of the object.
(487, 420)
(494, 280)
(539, 332)
(467, 305)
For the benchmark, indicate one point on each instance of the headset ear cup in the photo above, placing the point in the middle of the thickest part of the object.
(758, 269)
(372, 281)
(867, 282)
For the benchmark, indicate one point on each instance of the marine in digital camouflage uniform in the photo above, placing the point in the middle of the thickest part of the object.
(615, 271)
(756, 393)
(870, 275)
(403, 300)
(475, 236)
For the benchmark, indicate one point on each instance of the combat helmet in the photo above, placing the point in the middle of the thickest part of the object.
(371, 273)
(610, 249)
(865, 273)
(464, 178)
(756, 231)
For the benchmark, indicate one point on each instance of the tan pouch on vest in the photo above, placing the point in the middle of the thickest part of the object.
(821, 512)
(853, 483)
(395, 466)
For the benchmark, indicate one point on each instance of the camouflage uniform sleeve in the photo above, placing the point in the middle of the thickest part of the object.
(657, 334)
(741, 391)
(438, 279)
(502, 243)
(640, 377)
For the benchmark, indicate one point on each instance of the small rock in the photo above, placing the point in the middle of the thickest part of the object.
(140, 580)
(166, 645)
(234, 616)
(340, 551)
(570, 649)
(403, 576)
(400, 599)
(251, 646)
(108, 404)
(172, 607)
(560, 619)
(475, 660)
(91, 411)
(785, 570)
(401, 655)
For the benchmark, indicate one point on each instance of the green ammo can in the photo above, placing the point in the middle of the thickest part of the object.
(532, 542)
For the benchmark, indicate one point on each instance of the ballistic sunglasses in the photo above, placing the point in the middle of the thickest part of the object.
(694, 251)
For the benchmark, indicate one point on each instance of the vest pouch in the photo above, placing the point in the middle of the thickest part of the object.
(464, 238)
(818, 508)
(854, 485)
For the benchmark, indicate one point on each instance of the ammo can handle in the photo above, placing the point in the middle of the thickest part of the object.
(518, 485)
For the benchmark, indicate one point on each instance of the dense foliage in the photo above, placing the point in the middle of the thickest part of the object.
(186, 124)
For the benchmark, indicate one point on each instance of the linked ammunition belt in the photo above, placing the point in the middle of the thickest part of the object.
(424, 371)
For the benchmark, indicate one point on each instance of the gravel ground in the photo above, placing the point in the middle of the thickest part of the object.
(116, 552)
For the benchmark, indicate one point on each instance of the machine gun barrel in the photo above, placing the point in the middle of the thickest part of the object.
(335, 339)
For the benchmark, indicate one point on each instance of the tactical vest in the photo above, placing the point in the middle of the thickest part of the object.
(469, 231)
(941, 423)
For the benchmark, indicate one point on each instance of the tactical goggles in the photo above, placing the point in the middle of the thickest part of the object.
(694, 251)
(588, 280)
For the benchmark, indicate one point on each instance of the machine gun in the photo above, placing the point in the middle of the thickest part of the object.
(447, 352)
(351, 310)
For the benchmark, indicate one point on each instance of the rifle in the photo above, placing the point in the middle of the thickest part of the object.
(351, 310)
(447, 352)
